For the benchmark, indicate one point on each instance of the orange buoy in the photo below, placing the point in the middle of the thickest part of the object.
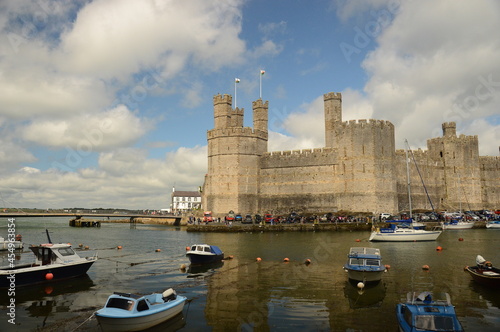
(80, 245)
(86, 248)
(19, 237)
(119, 247)
(439, 248)
(183, 267)
(425, 267)
(258, 259)
(157, 250)
(460, 239)
(49, 276)
(307, 261)
(188, 248)
(358, 240)
(465, 268)
(387, 267)
(286, 259)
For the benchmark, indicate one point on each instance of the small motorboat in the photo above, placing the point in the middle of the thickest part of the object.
(484, 272)
(6, 244)
(427, 312)
(495, 224)
(458, 224)
(53, 261)
(130, 312)
(364, 264)
(204, 254)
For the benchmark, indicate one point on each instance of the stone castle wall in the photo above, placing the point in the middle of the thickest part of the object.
(358, 170)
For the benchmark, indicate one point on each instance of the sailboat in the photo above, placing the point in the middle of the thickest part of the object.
(459, 223)
(398, 233)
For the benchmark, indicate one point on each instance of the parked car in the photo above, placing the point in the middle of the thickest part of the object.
(238, 217)
(248, 219)
(384, 216)
(268, 217)
(230, 216)
(207, 216)
(258, 218)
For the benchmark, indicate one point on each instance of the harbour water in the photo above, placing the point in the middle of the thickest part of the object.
(245, 295)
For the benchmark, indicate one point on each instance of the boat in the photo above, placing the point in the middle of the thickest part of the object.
(13, 245)
(403, 233)
(484, 272)
(131, 312)
(364, 264)
(495, 224)
(204, 254)
(53, 261)
(397, 233)
(458, 224)
(427, 312)
(370, 296)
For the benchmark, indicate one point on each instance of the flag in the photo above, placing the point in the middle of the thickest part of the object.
(262, 72)
(236, 80)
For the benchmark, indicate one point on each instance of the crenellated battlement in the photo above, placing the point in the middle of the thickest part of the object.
(236, 131)
(299, 158)
(365, 123)
(260, 103)
(332, 95)
(223, 99)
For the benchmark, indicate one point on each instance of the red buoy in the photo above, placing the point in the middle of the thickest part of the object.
(460, 239)
(439, 248)
(258, 259)
(49, 276)
(425, 267)
(286, 260)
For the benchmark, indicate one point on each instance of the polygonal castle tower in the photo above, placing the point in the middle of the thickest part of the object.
(233, 157)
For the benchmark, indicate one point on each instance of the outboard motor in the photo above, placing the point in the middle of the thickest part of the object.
(169, 295)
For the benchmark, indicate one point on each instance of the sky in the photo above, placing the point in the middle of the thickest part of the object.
(107, 103)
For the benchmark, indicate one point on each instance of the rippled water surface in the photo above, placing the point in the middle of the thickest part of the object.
(244, 295)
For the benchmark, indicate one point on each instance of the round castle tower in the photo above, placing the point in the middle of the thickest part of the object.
(233, 158)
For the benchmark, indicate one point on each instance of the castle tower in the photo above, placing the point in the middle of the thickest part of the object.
(333, 116)
(449, 129)
(233, 159)
(222, 110)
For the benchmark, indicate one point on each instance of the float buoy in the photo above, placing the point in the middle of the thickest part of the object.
(286, 260)
(465, 268)
(360, 285)
(119, 247)
(425, 267)
(460, 239)
(49, 276)
(157, 250)
(307, 261)
(358, 240)
(48, 290)
(188, 248)
(387, 267)
(258, 259)
(439, 248)
(80, 245)
(19, 237)
(86, 248)
(183, 267)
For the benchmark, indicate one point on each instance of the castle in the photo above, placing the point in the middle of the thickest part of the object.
(358, 169)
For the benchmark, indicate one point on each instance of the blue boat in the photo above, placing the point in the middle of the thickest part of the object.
(427, 312)
(364, 264)
(130, 312)
(204, 254)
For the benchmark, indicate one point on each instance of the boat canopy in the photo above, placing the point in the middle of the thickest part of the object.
(216, 250)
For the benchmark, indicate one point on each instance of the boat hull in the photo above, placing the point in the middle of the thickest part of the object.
(489, 277)
(493, 225)
(38, 274)
(140, 322)
(4, 245)
(365, 276)
(204, 259)
(405, 236)
(460, 225)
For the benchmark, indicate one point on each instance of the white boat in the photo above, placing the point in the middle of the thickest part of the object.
(493, 224)
(130, 312)
(364, 264)
(5, 244)
(454, 224)
(400, 233)
(403, 234)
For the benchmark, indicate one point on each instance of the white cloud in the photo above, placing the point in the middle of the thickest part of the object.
(89, 132)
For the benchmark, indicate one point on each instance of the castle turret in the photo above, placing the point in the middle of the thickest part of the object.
(449, 129)
(260, 110)
(222, 110)
(333, 115)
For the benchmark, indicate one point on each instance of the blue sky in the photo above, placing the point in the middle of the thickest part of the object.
(106, 103)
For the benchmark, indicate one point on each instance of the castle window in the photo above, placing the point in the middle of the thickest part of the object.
(363, 153)
(441, 154)
(364, 171)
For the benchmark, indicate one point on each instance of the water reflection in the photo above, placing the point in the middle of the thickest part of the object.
(203, 270)
(371, 295)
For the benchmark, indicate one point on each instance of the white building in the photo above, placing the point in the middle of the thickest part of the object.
(185, 201)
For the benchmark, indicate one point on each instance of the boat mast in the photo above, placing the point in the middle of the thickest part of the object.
(408, 177)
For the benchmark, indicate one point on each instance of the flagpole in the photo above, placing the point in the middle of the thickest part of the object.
(235, 96)
(260, 85)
